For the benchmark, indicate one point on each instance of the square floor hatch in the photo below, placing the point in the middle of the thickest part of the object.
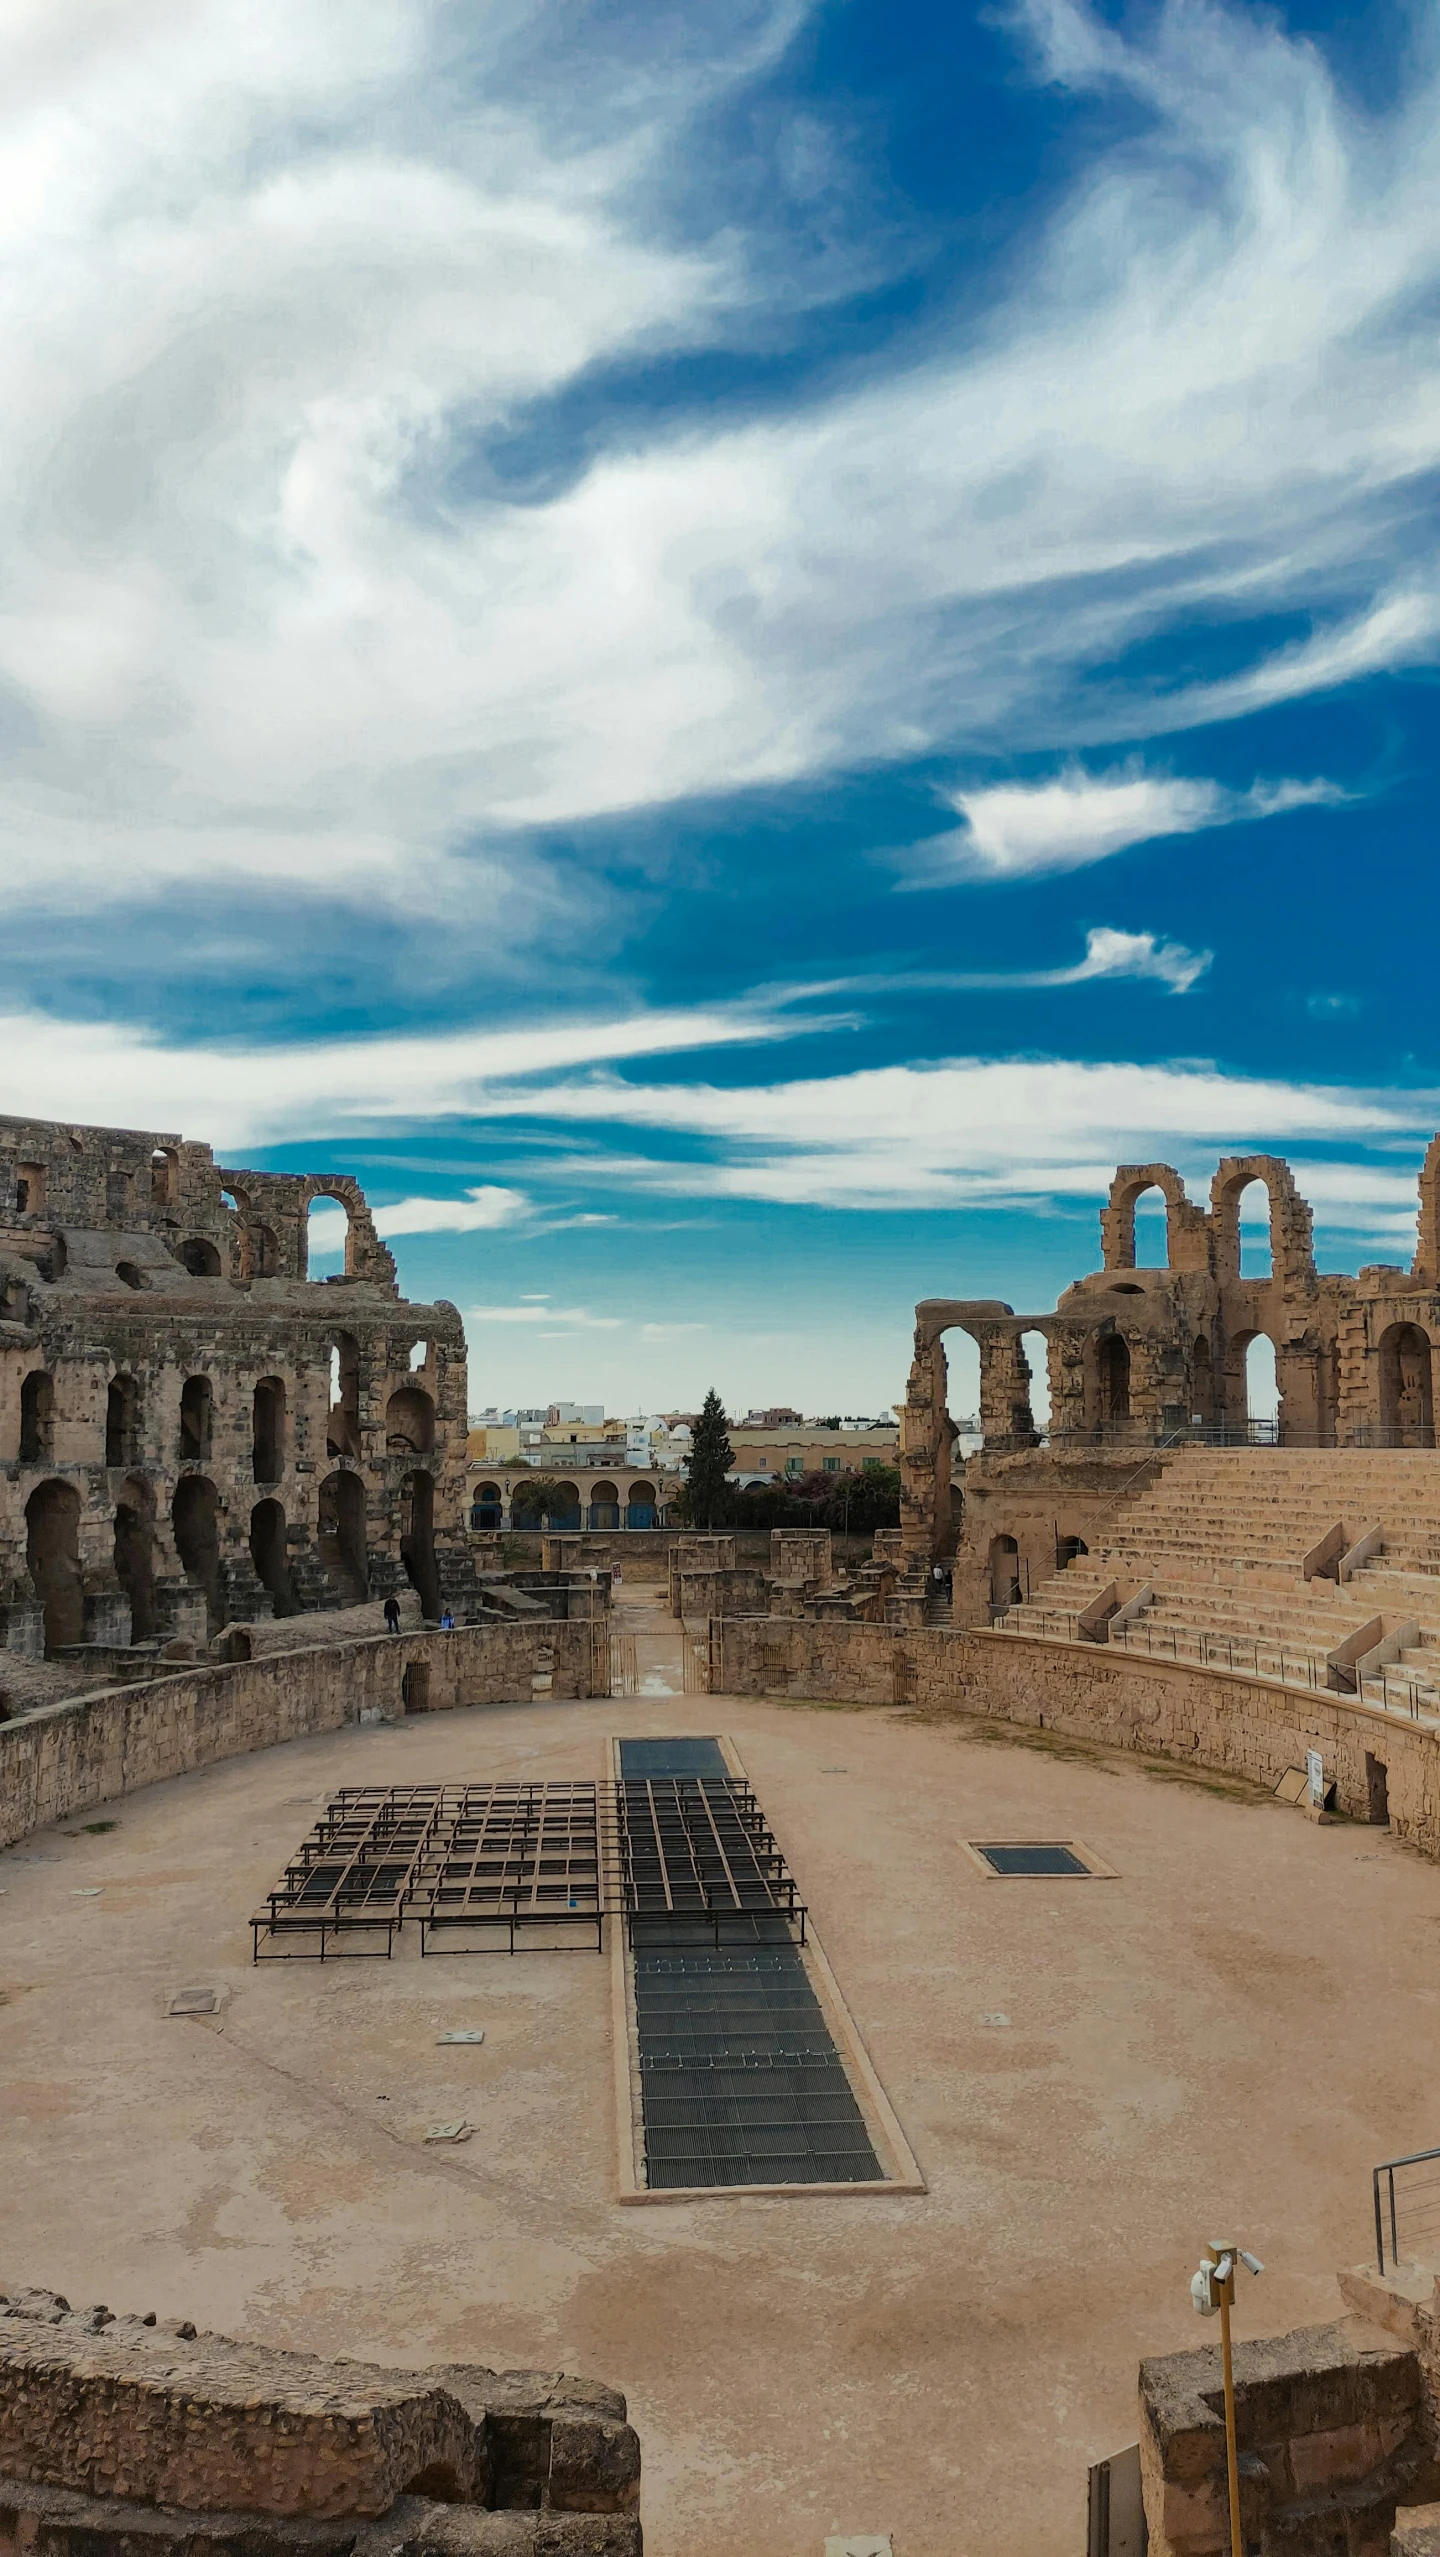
(1038, 1859)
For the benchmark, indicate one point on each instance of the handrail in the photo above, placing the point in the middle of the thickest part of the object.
(1417, 2157)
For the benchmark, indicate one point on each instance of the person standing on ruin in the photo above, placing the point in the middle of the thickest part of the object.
(392, 1614)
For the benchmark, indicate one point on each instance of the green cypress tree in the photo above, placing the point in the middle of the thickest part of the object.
(707, 1494)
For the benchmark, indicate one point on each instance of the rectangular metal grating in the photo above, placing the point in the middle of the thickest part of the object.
(740, 2079)
(1018, 1861)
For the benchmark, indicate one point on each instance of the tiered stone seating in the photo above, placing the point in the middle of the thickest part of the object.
(1208, 1555)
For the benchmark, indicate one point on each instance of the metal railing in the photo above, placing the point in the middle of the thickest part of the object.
(1420, 2201)
(1393, 1434)
(1192, 1646)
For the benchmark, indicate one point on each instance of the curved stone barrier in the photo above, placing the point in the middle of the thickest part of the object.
(91, 1749)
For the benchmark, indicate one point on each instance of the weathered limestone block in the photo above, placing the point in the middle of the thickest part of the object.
(1416, 2532)
(1332, 2425)
(212, 2426)
(121, 2438)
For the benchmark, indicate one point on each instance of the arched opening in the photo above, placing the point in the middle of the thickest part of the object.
(1202, 1383)
(1152, 1229)
(1112, 1380)
(201, 1258)
(417, 1540)
(269, 1556)
(30, 1189)
(604, 1505)
(1407, 1408)
(1252, 1212)
(129, 1272)
(410, 1423)
(1262, 1391)
(52, 1557)
(1004, 1574)
(197, 1412)
(326, 1238)
(37, 1418)
(1068, 1549)
(135, 1555)
(342, 1433)
(122, 1421)
(486, 1507)
(419, 1356)
(164, 1177)
(562, 1509)
(268, 1434)
(259, 1252)
(195, 1516)
(342, 1537)
(1035, 1351)
(640, 1508)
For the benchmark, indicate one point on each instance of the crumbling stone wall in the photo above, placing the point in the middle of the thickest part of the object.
(111, 2426)
(1138, 1357)
(1333, 2425)
(192, 1430)
(93, 1748)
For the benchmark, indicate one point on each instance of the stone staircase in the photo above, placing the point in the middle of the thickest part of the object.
(1233, 1558)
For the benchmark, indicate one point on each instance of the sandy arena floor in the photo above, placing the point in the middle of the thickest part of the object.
(1095, 2077)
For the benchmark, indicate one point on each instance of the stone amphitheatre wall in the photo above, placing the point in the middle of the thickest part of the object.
(92, 1748)
(1163, 1709)
(120, 2434)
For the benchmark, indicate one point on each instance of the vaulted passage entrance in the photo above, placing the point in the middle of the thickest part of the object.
(417, 1540)
(135, 1555)
(194, 1514)
(342, 1538)
(52, 1557)
(269, 1556)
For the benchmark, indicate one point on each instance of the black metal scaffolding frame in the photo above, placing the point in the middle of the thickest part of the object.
(482, 1865)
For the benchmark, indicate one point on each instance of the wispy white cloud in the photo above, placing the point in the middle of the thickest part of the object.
(1024, 830)
(1108, 955)
(263, 283)
(476, 1212)
(247, 1096)
(964, 1132)
(569, 1318)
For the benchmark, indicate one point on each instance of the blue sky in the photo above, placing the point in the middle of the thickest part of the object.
(728, 648)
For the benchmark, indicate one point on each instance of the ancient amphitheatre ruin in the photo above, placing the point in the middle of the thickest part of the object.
(886, 1991)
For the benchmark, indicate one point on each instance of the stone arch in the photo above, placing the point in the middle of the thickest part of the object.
(342, 1536)
(52, 1557)
(487, 1506)
(410, 1422)
(135, 1554)
(417, 1539)
(270, 1556)
(640, 1504)
(1240, 1382)
(260, 1256)
(1107, 1380)
(342, 1429)
(201, 1257)
(37, 1417)
(604, 1504)
(1117, 1218)
(1407, 1395)
(365, 1255)
(1292, 1256)
(1003, 1566)
(122, 1421)
(164, 1176)
(268, 1430)
(566, 1504)
(197, 1420)
(195, 1517)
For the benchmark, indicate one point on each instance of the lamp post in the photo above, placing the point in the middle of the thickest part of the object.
(1212, 2289)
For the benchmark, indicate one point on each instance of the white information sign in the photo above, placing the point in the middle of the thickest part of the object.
(1315, 1772)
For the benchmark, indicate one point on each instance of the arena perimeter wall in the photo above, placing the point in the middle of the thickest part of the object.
(73, 1756)
(1163, 1709)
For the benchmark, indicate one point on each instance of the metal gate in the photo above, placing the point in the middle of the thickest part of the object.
(623, 1680)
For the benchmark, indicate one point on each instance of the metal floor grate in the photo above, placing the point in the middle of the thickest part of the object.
(1017, 1862)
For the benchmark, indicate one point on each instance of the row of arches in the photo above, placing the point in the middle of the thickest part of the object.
(409, 1420)
(562, 1506)
(52, 1524)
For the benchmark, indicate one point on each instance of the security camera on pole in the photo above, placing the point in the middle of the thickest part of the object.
(1212, 2289)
